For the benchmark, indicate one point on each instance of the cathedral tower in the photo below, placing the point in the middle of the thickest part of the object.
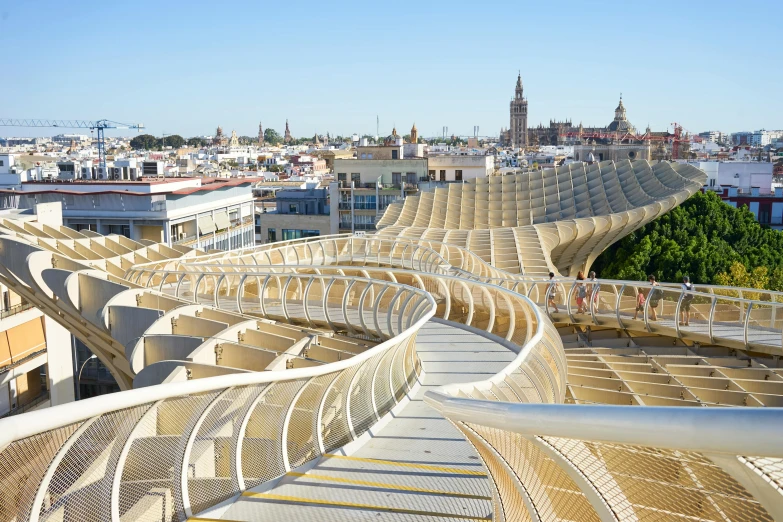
(518, 113)
(260, 135)
(287, 137)
(414, 134)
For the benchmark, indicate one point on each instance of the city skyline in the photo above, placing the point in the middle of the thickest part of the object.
(188, 71)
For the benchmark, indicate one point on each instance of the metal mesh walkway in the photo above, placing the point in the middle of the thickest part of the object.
(417, 467)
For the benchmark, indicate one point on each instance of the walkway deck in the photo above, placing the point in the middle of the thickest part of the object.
(417, 467)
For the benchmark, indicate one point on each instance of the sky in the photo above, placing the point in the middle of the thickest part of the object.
(187, 67)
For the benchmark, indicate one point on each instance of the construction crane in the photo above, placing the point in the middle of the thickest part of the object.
(99, 125)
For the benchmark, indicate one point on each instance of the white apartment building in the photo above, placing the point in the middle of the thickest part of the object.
(762, 138)
(205, 213)
(744, 175)
(36, 368)
(459, 167)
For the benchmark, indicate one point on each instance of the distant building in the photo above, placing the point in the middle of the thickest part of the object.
(67, 139)
(762, 138)
(749, 184)
(517, 133)
(612, 151)
(714, 136)
(204, 213)
(377, 177)
(520, 135)
(298, 213)
(459, 167)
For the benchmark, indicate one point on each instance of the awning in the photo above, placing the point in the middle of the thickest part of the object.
(221, 220)
(206, 225)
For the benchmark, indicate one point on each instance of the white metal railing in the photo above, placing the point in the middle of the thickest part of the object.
(741, 318)
(180, 448)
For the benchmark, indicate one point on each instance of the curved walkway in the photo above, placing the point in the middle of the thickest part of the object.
(415, 467)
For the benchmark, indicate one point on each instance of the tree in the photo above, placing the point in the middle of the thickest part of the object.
(175, 141)
(738, 275)
(144, 142)
(197, 142)
(271, 137)
(704, 239)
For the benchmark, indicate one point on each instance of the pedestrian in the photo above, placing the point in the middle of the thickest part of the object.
(592, 290)
(654, 296)
(639, 303)
(685, 305)
(581, 293)
(552, 293)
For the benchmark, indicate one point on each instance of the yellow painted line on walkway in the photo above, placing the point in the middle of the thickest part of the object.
(386, 485)
(353, 505)
(199, 519)
(457, 471)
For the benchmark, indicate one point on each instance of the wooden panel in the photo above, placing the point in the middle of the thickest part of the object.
(26, 339)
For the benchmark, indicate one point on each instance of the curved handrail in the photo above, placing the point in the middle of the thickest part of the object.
(762, 329)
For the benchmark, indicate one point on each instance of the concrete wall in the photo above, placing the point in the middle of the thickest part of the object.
(322, 223)
(50, 213)
(151, 232)
(371, 170)
(378, 153)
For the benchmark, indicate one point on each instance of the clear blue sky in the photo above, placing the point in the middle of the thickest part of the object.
(185, 67)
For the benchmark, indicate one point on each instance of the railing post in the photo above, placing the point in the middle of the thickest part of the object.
(711, 318)
(677, 312)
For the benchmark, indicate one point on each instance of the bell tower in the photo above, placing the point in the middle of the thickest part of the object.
(518, 116)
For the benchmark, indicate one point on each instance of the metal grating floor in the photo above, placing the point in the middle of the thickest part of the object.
(417, 467)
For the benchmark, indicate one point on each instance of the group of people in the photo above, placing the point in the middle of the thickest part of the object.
(583, 290)
(590, 288)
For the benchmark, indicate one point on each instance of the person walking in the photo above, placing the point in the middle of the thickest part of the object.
(654, 296)
(551, 293)
(687, 298)
(639, 303)
(592, 290)
(581, 293)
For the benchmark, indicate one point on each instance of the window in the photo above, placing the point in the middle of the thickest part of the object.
(369, 156)
(341, 176)
(432, 175)
(410, 177)
(395, 154)
(1, 163)
(396, 178)
(271, 235)
(458, 175)
(443, 175)
(356, 178)
(292, 233)
(292, 208)
(364, 156)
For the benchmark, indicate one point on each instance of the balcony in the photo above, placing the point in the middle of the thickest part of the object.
(235, 224)
(21, 307)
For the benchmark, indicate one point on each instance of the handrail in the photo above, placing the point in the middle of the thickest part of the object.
(532, 287)
(710, 430)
